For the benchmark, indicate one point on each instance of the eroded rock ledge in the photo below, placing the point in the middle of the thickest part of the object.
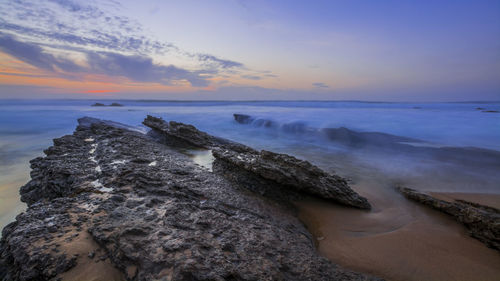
(266, 172)
(483, 222)
(109, 203)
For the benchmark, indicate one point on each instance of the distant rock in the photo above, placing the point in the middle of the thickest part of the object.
(480, 108)
(258, 122)
(353, 138)
(340, 135)
(483, 222)
(491, 111)
(113, 104)
(243, 118)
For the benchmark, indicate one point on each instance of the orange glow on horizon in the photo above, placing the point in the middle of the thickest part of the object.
(99, 91)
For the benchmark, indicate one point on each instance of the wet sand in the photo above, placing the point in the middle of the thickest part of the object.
(10, 204)
(398, 239)
(89, 269)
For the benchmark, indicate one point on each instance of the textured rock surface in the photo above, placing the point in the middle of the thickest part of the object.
(107, 195)
(179, 134)
(483, 222)
(289, 173)
(265, 172)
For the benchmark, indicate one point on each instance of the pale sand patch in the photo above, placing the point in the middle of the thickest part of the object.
(88, 269)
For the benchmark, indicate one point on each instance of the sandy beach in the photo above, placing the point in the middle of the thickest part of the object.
(400, 241)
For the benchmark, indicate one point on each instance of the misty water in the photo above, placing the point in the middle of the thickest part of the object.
(360, 240)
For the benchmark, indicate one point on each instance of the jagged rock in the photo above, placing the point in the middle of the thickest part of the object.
(290, 173)
(172, 220)
(267, 170)
(483, 222)
(179, 134)
(243, 118)
(98, 104)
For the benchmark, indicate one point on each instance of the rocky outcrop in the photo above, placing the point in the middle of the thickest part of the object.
(112, 104)
(107, 196)
(181, 135)
(286, 173)
(483, 222)
(243, 118)
(264, 171)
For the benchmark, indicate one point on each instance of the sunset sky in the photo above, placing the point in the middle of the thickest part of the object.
(251, 50)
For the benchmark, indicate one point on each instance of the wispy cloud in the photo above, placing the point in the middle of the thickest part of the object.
(134, 67)
(223, 63)
(141, 69)
(41, 33)
(320, 85)
(251, 77)
(35, 55)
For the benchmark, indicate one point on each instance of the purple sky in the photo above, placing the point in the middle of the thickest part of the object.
(250, 50)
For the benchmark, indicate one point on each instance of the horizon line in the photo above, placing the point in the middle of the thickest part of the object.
(225, 100)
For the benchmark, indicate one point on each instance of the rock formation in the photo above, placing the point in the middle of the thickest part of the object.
(121, 205)
(483, 222)
(267, 170)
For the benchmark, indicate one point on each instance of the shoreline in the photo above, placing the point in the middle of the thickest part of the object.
(154, 213)
(369, 242)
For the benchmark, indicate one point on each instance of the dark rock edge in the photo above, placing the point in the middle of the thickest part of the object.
(482, 222)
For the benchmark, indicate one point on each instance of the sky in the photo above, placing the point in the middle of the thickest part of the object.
(439, 50)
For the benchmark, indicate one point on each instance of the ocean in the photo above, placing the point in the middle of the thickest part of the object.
(450, 148)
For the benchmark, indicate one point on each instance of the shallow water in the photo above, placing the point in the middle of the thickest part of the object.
(398, 239)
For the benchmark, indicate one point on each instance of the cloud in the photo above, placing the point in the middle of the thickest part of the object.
(320, 85)
(141, 69)
(35, 55)
(223, 63)
(134, 67)
(68, 22)
(96, 31)
(251, 77)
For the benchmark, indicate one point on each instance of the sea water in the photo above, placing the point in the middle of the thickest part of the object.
(27, 127)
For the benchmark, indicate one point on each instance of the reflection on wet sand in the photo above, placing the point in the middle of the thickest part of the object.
(10, 204)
